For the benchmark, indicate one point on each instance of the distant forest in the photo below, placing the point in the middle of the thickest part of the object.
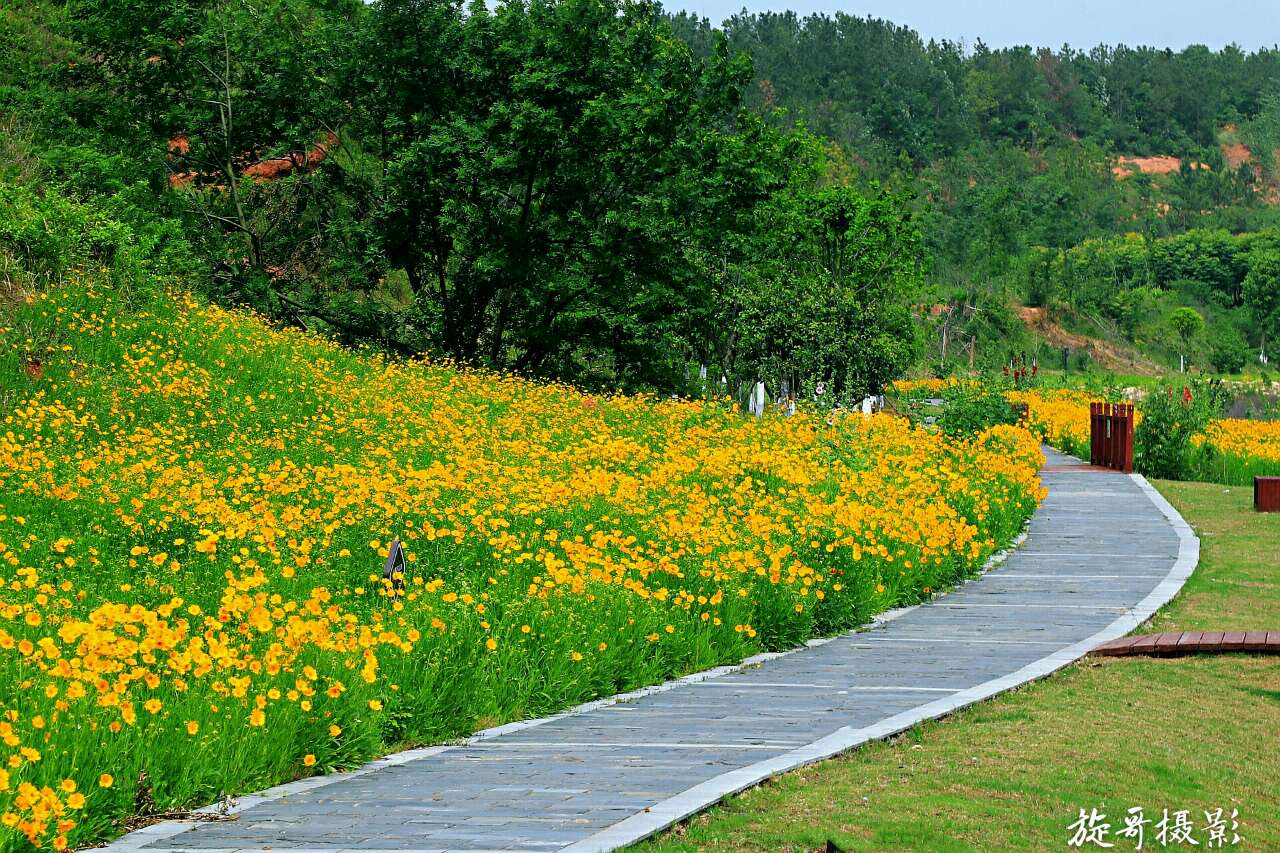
(881, 90)
(608, 193)
(1021, 164)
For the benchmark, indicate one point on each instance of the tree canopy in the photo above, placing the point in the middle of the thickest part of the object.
(598, 191)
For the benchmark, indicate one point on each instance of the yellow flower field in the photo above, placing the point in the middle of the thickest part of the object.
(1246, 438)
(195, 509)
(1059, 417)
(1239, 448)
(928, 386)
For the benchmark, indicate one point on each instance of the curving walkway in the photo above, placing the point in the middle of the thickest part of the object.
(1101, 555)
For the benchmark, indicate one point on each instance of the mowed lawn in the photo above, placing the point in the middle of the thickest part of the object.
(1195, 733)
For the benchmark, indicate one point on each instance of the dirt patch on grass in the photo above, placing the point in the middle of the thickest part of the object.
(1105, 354)
(1236, 155)
(1158, 165)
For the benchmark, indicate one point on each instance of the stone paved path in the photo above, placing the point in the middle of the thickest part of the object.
(1101, 554)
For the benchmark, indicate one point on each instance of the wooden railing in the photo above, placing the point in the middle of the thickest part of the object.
(1111, 436)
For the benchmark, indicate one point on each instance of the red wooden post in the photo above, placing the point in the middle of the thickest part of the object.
(1121, 435)
(1128, 439)
(1266, 494)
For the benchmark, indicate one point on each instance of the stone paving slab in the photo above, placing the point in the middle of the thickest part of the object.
(1103, 552)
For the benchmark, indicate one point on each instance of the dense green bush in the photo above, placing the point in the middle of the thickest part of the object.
(1229, 352)
(972, 408)
(1170, 418)
(49, 234)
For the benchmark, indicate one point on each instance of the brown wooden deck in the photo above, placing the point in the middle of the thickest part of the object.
(1192, 642)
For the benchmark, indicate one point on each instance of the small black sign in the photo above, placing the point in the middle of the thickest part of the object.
(395, 569)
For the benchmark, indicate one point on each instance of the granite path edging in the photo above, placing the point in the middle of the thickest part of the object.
(137, 839)
(665, 812)
(675, 809)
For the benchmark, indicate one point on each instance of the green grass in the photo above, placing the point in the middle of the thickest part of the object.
(1191, 733)
(1234, 470)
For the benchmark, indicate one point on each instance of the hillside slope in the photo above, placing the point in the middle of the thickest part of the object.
(1105, 354)
(195, 510)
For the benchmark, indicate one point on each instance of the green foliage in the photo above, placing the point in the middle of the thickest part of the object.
(46, 237)
(974, 407)
(1149, 288)
(604, 193)
(1261, 291)
(821, 294)
(1011, 154)
(68, 208)
(541, 198)
(205, 90)
(1263, 132)
(880, 89)
(1229, 352)
(559, 189)
(1186, 323)
(1170, 419)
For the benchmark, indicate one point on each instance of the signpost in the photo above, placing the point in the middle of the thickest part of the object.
(394, 571)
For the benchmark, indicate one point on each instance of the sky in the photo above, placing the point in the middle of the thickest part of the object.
(1046, 23)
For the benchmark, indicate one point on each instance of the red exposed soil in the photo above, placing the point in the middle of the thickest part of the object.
(1159, 165)
(1236, 155)
(269, 169)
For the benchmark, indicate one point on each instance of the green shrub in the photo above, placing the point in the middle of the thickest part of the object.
(1170, 418)
(48, 234)
(1229, 352)
(974, 408)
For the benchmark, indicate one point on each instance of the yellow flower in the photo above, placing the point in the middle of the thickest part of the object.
(667, 520)
(308, 760)
(105, 780)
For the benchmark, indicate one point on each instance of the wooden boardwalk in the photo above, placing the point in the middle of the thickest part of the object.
(1192, 642)
(1102, 554)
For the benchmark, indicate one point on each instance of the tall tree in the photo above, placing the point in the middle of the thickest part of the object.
(1187, 324)
(226, 84)
(541, 197)
(823, 292)
(1262, 293)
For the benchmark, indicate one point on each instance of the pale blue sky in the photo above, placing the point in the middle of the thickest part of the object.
(1045, 23)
